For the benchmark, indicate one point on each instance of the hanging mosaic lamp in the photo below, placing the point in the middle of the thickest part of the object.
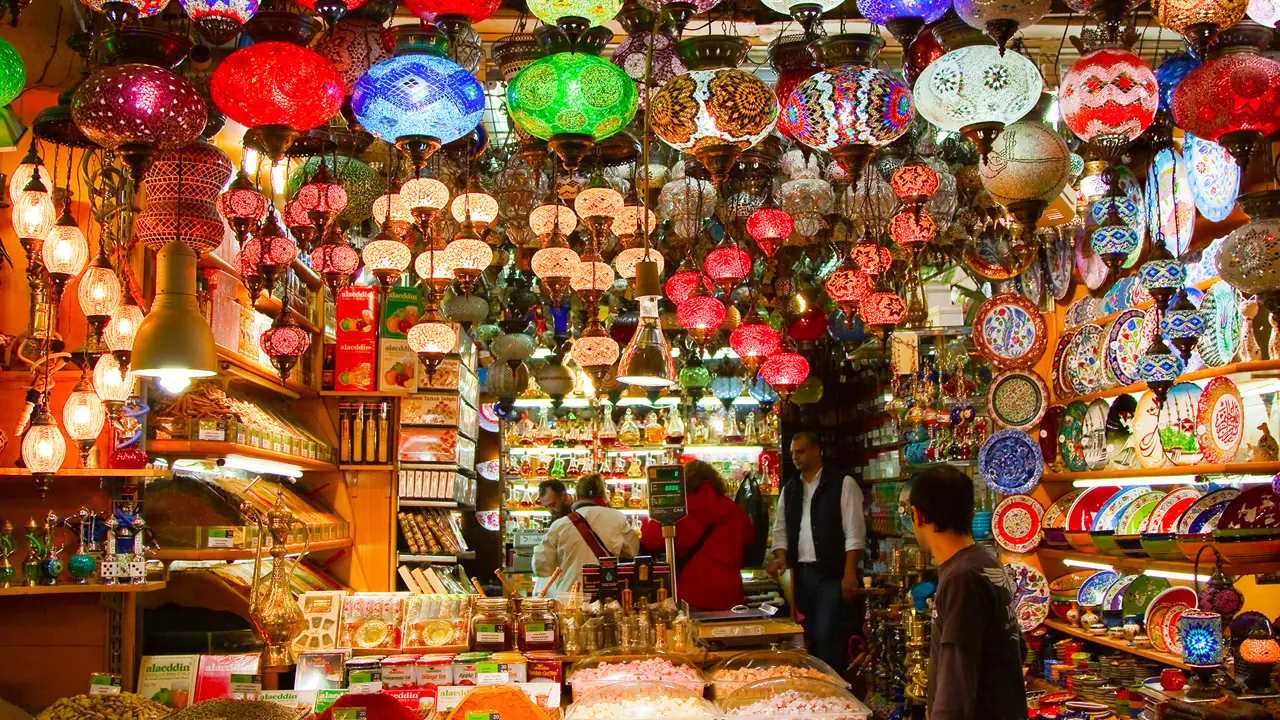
(701, 315)
(1109, 97)
(1159, 369)
(13, 76)
(871, 259)
(33, 214)
(120, 333)
(43, 448)
(331, 10)
(791, 60)
(805, 12)
(425, 198)
(687, 202)
(912, 232)
(904, 18)
(633, 222)
(418, 99)
(277, 89)
(432, 340)
(353, 45)
(84, 416)
(598, 205)
(1233, 99)
(1001, 18)
(1162, 275)
(386, 257)
(64, 251)
(591, 278)
(127, 12)
(469, 256)
(137, 110)
(629, 260)
(633, 56)
(1264, 12)
(595, 352)
(727, 266)
(554, 265)
(1114, 240)
(683, 282)
(361, 183)
(847, 288)
(243, 206)
(452, 16)
(785, 371)
(1170, 74)
(769, 227)
(1028, 167)
(284, 342)
(753, 341)
(573, 100)
(1182, 325)
(218, 21)
(882, 310)
(99, 291)
(914, 183)
(714, 111)
(851, 108)
(1199, 21)
(336, 263)
(552, 217)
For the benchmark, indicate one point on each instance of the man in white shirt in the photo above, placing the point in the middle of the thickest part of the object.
(818, 532)
(590, 531)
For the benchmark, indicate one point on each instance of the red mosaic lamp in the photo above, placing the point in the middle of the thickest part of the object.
(701, 315)
(337, 263)
(727, 265)
(847, 288)
(882, 310)
(753, 341)
(784, 371)
(681, 285)
(285, 341)
(243, 206)
(769, 227)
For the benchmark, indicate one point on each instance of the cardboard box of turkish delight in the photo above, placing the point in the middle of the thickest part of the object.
(355, 357)
(168, 679)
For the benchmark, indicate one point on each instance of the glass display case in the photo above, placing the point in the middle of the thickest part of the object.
(751, 666)
(787, 697)
(641, 700)
(609, 667)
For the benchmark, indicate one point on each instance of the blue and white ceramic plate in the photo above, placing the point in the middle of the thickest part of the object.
(1220, 338)
(1093, 589)
(1213, 175)
(1010, 462)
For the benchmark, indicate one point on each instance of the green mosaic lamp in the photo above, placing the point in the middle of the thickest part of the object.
(12, 74)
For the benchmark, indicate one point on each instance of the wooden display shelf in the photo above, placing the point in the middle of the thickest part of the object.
(1247, 468)
(74, 589)
(219, 554)
(93, 472)
(364, 394)
(214, 449)
(432, 558)
(1256, 366)
(421, 503)
(1202, 286)
(356, 467)
(1139, 564)
(1121, 645)
(239, 367)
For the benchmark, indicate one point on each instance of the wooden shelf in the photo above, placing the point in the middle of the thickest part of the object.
(445, 559)
(1121, 645)
(239, 367)
(212, 449)
(228, 555)
(1254, 468)
(411, 502)
(358, 467)
(1140, 564)
(363, 394)
(1257, 366)
(93, 472)
(72, 589)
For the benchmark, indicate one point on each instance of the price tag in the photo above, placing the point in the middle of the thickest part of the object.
(209, 430)
(221, 538)
(497, 678)
(482, 716)
(365, 682)
(350, 713)
(246, 687)
(104, 684)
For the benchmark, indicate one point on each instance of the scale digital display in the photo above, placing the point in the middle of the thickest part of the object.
(667, 503)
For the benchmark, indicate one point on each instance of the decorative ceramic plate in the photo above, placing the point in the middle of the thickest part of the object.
(1114, 595)
(1009, 331)
(1178, 424)
(1070, 582)
(1172, 638)
(1084, 363)
(1031, 281)
(1120, 452)
(1219, 421)
(1071, 437)
(1010, 462)
(1221, 497)
(1057, 260)
(1091, 592)
(1154, 625)
(1140, 594)
(1047, 433)
(1062, 386)
(1083, 511)
(1031, 594)
(1124, 342)
(1109, 514)
(1017, 399)
(1135, 514)
(1220, 338)
(1138, 295)
(1257, 508)
(1089, 264)
(1171, 596)
(1172, 206)
(994, 263)
(1016, 523)
(1146, 432)
(1056, 515)
(1164, 518)
(1117, 297)
(1081, 311)
(1093, 434)
(1213, 175)
(1109, 379)
(1207, 521)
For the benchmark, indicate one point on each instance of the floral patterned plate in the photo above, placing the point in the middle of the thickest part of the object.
(1114, 595)
(1056, 515)
(1009, 331)
(1010, 462)
(1090, 265)
(1071, 437)
(1146, 432)
(1219, 421)
(1109, 515)
(1172, 638)
(1172, 207)
(1135, 514)
(1016, 523)
(1057, 261)
(1084, 366)
(1165, 517)
(1091, 592)
(1220, 338)
(1155, 628)
(1178, 424)
(1218, 498)
(1017, 399)
(1169, 597)
(1124, 342)
(1213, 175)
(1093, 434)
(1062, 386)
(1030, 593)
(1081, 311)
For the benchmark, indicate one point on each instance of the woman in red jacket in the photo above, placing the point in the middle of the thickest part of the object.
(710, 542)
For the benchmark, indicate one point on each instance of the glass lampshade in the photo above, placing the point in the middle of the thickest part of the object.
(687, 202)
(390, 207)
(1201, 634)
(83, 415)
(99, 291)
(65, 251)
(1234, 93)
(882, 309)
(277, 83)
(598, 202)
(109, 382)
(727, 265)
(32, 215)
(1000, 18)
(469, 254)
(31, 165)
(554, 262)
(632, 55)
(1179, 15)
(769, 227)
(784, 371)
(846, 288)
(545, 219)
(1171, 73)
(1028, 162)
(386, 254)
(353, 45)
(870, 258)
(975, 84)
(572, 93)
(595, 351)
(43, 447)
(424, 193)
(595, 12)
(137, 105)
(682, 284)
(480, 207)
(432, 337)
(627, 260)
(122, 328)
(361, 183)
(1109, 96)
(702, 108)
(848, 105)
(701, 313)
(753, 341)
(636, 221)
(418, 94)
(13, 76)
(591, 276)
(1249, 258)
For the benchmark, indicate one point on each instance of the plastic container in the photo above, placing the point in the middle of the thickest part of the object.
(794, 698)
(641, 701)
(610, 667)
(751, 666)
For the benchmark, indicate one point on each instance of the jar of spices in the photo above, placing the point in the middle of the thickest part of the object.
(491, 626)
(538, 627)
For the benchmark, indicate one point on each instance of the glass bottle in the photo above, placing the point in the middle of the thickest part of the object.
(731, 434)
(615, 499)
(607, 432)
(629, 433)
(558, 467)
(749, 433)
(525, 430)
(654, 432)
(675, 428)
(635, 468)
(697, 431)
(491, 627)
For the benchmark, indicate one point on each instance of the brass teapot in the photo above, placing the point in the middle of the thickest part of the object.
(273, 611)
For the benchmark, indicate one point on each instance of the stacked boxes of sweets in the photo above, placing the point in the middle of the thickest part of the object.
(426, 484)
(206, 412)
(431, 532)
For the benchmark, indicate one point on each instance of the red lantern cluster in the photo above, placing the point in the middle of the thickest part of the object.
(753, 341)
(870, 258)
(784, 371)
(680, 285)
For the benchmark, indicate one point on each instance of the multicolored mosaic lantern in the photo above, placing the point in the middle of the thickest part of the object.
(1109, 97)
(218, 21)
(594, 12)
(904, 18)
(1199, 21)
(632, 55)
(1182, 325)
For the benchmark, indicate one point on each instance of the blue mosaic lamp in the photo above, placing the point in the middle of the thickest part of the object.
(726, 388)
(1182, 325)
(418, 99)
(1162, 275)
(1202, 649)
(763, 392)
(1113, 241)
(1159, 369)
(904, 18)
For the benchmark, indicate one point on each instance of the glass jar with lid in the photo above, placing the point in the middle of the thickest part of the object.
(538, 627)
(491, 627)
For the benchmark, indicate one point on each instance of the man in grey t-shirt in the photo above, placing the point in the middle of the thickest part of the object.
(975, 650)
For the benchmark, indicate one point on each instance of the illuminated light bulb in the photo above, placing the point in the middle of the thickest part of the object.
(425, 193)
(432, 340)
(628, 222)
(32, 215)
(112, 383)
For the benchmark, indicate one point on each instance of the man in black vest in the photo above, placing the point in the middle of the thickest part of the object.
(818, 532)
